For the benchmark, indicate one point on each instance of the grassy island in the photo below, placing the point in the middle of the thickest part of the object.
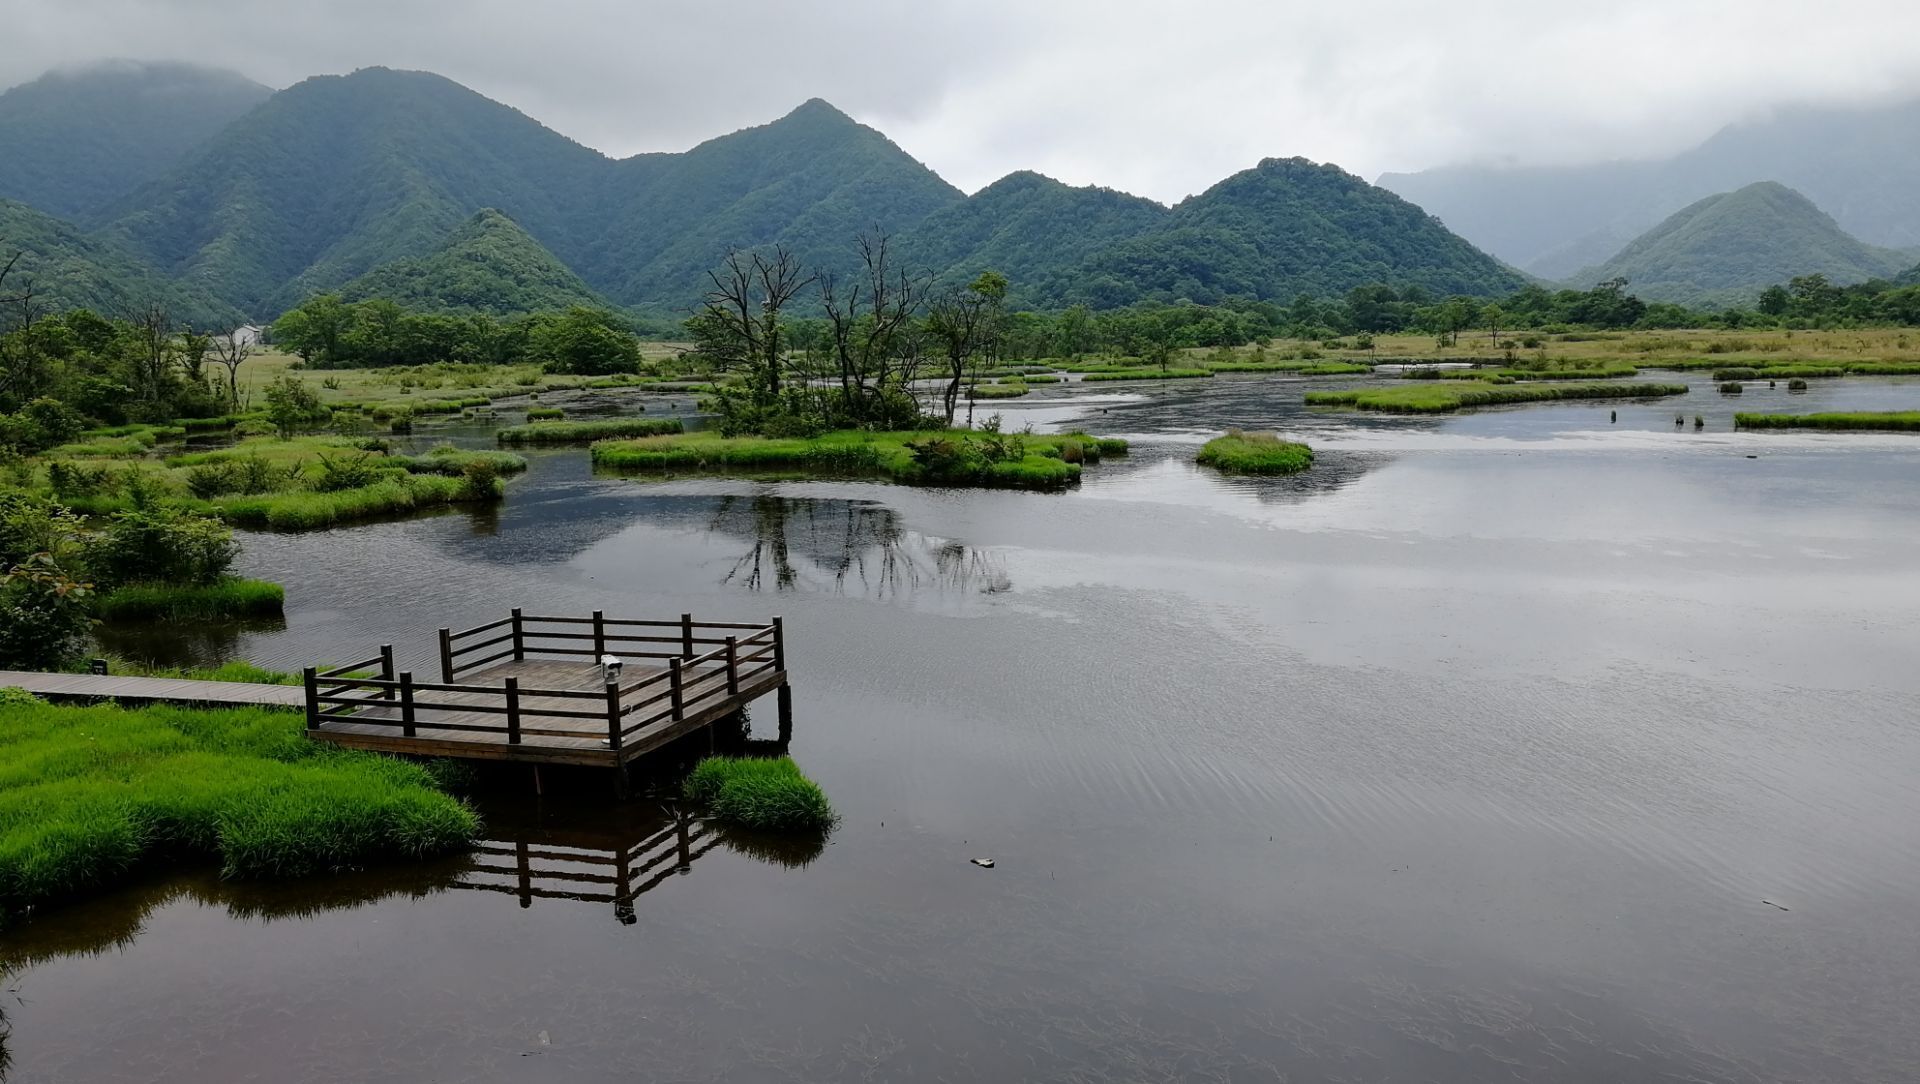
(588, 432)
(960, 457)
(770, 794)
(91, 795)
(1442, 397)
(1145, 374)
(1883, 421)
(1254, 453)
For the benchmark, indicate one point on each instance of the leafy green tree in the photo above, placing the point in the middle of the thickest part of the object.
(293, 407)
(45, 615)
(585, 342)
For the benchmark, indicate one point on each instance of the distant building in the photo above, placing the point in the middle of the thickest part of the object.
(245, 335)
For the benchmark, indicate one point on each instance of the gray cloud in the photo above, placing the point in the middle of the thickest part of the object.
(1155, 98)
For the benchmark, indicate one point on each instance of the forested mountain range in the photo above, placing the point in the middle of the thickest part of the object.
(69, 269)
(1725, 249)
(75, 140)
(488, 264)
(366, 182)
(1861, 164)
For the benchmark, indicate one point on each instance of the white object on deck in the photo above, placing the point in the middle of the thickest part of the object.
(610, 667)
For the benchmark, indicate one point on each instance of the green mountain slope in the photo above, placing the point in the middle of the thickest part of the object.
(70, 269)
(77, 139)
(1030, 228)
(1284, 228)
(1727, 248)
(812, 181)
(489, 264)
(1909, 277)
(339, 174)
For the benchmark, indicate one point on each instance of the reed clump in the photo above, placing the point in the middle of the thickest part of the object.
(1254, 453)
(588, 431)
(1441, 397)
(226, 598)
(1886, 421)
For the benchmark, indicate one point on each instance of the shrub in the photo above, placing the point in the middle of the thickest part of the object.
(770, 794)
(161, 545)
(540, 414)
(480, 481)
(1796, 384)
(1731, 387)
(45, 615)
(347, 472)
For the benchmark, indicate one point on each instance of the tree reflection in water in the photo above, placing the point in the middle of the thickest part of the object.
(847, 547)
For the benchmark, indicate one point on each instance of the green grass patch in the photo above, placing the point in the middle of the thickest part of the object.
(545, 414)
(1254, 453)
(1887, 421)
(304, 510)
(244, 673)
(997, 391)
(589, 431)
(1776, 372)
(1883, 368)
(454, 462)
(1445, 397)
(955, 457)
(770, 794)
(229, 597)
(89, 795)
(1303, 368)
(1146, 374)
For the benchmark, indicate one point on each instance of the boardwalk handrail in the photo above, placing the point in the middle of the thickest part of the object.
(693, 689)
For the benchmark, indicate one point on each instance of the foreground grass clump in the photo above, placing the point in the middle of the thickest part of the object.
(588, 432)
(1443, 397)
(770, 794)
(1255, 453)
(227, 597)
(1888, 421)
(1146, 374)
(90, 794)
(953, 457)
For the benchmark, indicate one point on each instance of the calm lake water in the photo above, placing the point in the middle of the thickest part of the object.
(1519, 745)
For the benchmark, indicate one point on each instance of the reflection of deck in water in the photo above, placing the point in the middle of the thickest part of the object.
(590, 867)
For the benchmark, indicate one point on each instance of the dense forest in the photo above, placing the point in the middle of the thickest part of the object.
(489, 265)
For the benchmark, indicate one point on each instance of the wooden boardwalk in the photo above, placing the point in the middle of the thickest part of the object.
(152, 690)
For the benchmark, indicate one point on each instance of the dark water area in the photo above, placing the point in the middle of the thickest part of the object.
(1518, 745)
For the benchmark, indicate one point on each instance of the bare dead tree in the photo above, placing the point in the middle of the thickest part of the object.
(739, 319)
(153, 365)
(230, 350)
(21, 361)
(873, 327)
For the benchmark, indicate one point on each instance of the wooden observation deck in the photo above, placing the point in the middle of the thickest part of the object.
(532, 689)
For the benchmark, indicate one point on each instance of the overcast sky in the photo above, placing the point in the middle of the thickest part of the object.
(1161, 99)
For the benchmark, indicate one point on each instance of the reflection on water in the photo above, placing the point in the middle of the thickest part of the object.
(845, 547)
(187, 644)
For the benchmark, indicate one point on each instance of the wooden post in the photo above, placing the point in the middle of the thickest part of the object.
(686, 636)
(311, 676)
(386, 668)
(673, 685)
(733, 666)
(779, 645)
(613, 717)
(519, 637)
(786, 716)
(524, 869)
(446, 656)
(513, 711)
(599, 636)
(406, 703)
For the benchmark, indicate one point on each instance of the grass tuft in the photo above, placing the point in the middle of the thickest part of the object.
(1441, 397)
(229, 597)
(588, 432)
(1255, 453)
(1886, 421)
(769, 794)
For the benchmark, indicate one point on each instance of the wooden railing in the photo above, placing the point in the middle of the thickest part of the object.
(690, 685)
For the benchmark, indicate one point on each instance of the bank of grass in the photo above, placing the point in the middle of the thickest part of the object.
(1448, 396)
(306, 510)
(242, 672)
(586, 432)
(765, 793)
(1146, 374)
(1011, 390)
(1254, 453)
(1887, 421)
(91, 795)
(545, 414)
(456, 462)
(1883, 368)
(955, 457)
(230, 597)
(1302, 368)
(1777, 372)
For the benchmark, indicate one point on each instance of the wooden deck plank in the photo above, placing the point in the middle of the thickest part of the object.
(145, 689)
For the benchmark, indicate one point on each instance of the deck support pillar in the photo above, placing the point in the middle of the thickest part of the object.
(310, 676)
(599, 636)
(519, 637)
(406, 703)
(446, 656)
(786, 714)
(686, 636)
(513, 711)
(386, 668)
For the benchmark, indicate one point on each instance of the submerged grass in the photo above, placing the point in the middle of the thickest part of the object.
(1255, 453)
(770, 794)
(230, 597)
(1888, 421)
(588, 432)
(1146, 374)
(955, 457)
(88, 795)
(1444, 397)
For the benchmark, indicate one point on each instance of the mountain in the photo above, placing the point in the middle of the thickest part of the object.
(70, 269)
(812, 181)
(77, 139)
(337, 175)
(1284, 228)
(1028, 227)
(1727, 248)
(1909, 277)
(489, 264)
(1860, 163)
